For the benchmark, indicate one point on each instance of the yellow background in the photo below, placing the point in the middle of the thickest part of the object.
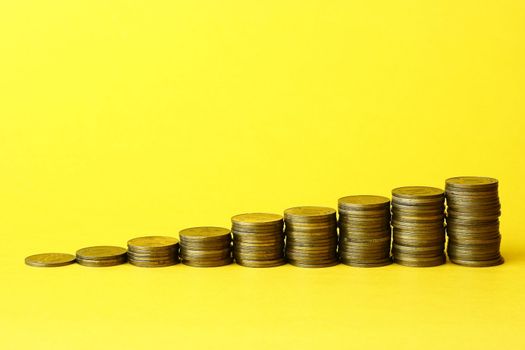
(128, 118)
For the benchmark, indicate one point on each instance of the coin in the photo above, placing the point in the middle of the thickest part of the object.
(101, 253)
(50, 260)
(135, 256)
(466, 183)
(152, 243)
(316, 264)
(101, 263)
(257, 219)
(208, 263)
(205, 233)
(417, 192)
(154, 263)
(309, 213)
(485, 263)
(261, 263)
(363, 202)
(370, 263)
(420, 262)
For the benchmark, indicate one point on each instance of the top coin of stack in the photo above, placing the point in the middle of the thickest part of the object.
(205, 246)
(311, 236)
(258, 239)
(100, 256)
(418, 221)
(473, 211)
(364, 228)
(153, 251)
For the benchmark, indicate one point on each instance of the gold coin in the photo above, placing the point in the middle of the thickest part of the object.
(208, 263)
(261, 263)
(101, 263)
(155, 263)
(101, 253)
(487, 263)
(320, 264)
(354, 263)
(472, 182)
(363, 202)
(256, 219)
(420, 262)
(418, 192)
(309, 212)
(50, 260)
(205, 233)
(152, 243)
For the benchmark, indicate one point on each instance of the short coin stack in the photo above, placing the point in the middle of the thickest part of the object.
(206, 246)
(153, 251)
(258, 239)
(418, 222)
(364, 231)
(50, 260)
(473, 211)
(311, 236)
(101, 256)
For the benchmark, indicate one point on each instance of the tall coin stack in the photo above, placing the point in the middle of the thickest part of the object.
(418, 214)
(311, 236)
(153, 251)
(364, 231)
(206, 246)
(258, 239)
(473, 211)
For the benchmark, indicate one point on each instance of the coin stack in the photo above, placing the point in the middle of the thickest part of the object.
(311, 236)
(206, 246)
(258, 239)
(100, 256)
(153, 251)
(473, 211)
(364, 231)
(418, 222)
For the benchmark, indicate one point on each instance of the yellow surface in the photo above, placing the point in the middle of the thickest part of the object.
(126, 118)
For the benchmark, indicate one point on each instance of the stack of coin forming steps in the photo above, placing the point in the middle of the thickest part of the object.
(364, 231)
(417, 218)
(311, 236)
(258, 239)
(473, 211)
(206, 246)
(153, 251)
(100, 256)
(418, 222)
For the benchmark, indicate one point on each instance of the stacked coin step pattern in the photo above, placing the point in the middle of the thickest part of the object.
(473, 211)
(153, 251)
(206, 246)
(311, 236)
(101, 256)
(258, 239)
(364, 231)
(418, 214)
